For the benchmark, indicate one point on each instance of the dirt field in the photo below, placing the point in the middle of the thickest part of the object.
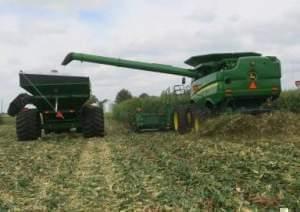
(148, 171)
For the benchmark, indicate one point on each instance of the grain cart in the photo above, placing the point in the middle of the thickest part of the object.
(242, 82)
(56, 104)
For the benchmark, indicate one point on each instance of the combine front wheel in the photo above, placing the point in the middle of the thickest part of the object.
(198, 116)
(180, 120)
(28, 125)
(196, 123)
(93, 122)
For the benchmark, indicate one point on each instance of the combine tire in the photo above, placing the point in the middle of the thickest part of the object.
(197, 121)
(93, 122)
(28, 125)
(189, 118)
(198, 117)
(180, 122)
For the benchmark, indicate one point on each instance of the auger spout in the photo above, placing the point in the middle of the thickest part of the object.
(153, 67)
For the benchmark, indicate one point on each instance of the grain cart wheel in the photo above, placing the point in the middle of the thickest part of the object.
(28, 125)
(93, 122)
(19, 103)
(180, 120)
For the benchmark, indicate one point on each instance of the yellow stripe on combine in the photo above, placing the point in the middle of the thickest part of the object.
(213, 85)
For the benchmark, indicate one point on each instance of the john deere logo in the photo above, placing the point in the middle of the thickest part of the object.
(252, 76)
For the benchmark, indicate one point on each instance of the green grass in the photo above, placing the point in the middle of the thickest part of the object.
(289, 101)
(32, 173)
(5, 119)
(221, 168)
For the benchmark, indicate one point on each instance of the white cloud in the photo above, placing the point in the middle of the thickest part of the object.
(36, 35)
(58, 5)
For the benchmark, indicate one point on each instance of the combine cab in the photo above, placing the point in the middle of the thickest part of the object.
(56, 104)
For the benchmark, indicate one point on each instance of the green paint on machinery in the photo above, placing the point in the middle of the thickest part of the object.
(245, 82)
(57, 104)
(150, 121)
(162, 119)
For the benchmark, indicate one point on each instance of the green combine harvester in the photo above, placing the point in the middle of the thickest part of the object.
(243, 82)
(56, 104)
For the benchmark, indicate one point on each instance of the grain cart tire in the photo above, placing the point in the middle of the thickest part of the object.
(180, 124)
(19, 103)
(93, 122)
(28, 125)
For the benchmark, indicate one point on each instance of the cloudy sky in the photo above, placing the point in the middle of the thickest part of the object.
(35, 36)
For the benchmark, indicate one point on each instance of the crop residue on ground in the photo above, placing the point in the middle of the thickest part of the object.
(153, 171)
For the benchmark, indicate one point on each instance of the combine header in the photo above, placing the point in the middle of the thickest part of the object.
(56, 104)
(243, 82)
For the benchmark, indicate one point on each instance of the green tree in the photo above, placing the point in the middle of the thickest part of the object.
(144, 95)
(123, 95)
